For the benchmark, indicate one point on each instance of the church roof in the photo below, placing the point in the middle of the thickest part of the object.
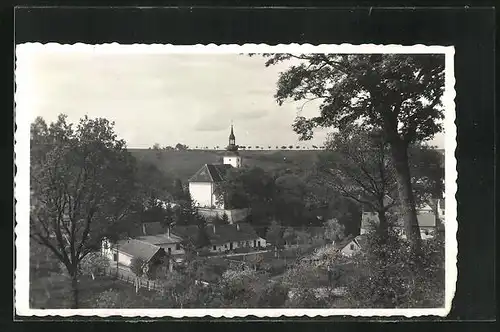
(210, 173)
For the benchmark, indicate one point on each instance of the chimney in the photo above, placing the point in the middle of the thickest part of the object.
(144, 229)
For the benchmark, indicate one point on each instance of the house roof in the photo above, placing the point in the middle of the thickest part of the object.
(339, 245)
(223, 233)
(160, 239)
(210, 173)
(425, 219)
(153, 228)
(138, 249)
(361, 240)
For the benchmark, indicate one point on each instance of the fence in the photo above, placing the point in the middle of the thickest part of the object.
(138, 282)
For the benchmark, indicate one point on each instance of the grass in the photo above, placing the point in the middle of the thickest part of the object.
(54, 291)
(183, 164)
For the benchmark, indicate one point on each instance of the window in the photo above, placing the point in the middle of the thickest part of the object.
(214, 248)
(178, 246)
(352, 246)
(169, 250)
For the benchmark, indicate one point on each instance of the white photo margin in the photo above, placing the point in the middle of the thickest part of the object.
(22, 163)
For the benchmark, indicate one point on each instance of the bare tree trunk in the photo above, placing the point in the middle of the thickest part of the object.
(407, 200)
(74, 289)
(383, 227)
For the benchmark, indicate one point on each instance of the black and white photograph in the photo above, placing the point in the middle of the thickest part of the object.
(235, 180)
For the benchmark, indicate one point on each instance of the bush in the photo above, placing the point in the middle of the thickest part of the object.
(389, 274)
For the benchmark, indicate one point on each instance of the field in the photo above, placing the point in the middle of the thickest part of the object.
(183, 164)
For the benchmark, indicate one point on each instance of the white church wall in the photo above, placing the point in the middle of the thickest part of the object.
(234, 161)
(201, 193)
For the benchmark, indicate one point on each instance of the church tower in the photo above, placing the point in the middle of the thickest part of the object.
(232, 157)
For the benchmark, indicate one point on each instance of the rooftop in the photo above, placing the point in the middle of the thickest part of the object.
(223, 233)
(138, 249)
(210, 173)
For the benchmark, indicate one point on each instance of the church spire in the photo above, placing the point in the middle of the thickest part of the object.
(232, 140)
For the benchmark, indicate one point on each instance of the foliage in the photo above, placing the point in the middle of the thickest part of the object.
(109, 299)
(390, 274)
(333, 230)
(181, 147)
(94, 264)
(274, 234)
(82, 184)
(137, 266)
(273, 295)
(397, 94)
(289, 235)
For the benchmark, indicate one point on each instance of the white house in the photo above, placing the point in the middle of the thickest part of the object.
(202, 184)
(123, 251)
(351, 245)
(225, 237)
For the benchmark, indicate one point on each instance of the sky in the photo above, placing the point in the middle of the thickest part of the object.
(164, 98)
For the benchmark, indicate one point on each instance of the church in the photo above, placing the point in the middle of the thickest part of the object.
(202, 184)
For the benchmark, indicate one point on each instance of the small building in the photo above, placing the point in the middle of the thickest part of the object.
(124, 251)
(224, 237)
(156, 234)
(351, 245)
(426, 222)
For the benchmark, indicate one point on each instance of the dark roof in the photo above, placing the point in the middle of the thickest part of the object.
(339, 245)
(153, 228)
(160, 239)
(210, 173)
(138, 249)
(223, 233)
(425, 219)
(361, 240)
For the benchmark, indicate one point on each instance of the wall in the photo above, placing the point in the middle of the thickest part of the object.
(234, 215)
(235, 161)
(347, 251)
(251, 244)
(108, 251)
(172, 247)
(202, 193)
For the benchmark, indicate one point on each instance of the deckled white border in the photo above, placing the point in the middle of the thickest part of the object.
(22, 160)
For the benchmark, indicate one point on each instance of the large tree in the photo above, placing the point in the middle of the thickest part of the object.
(82, 186)
(400, 94)
(357, 164)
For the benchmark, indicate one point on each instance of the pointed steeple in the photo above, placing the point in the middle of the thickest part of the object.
(232, 141)
(231, 136)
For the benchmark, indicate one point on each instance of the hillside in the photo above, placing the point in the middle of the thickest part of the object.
(183, 164)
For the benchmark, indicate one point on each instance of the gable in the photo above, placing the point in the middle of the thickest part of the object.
(210, 173)
(202, 175)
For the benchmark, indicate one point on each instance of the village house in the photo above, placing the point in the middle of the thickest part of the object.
(202, 185)
(351, 245)
(426, 219)
(124, 251)
(156, 234)
(224, 237)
